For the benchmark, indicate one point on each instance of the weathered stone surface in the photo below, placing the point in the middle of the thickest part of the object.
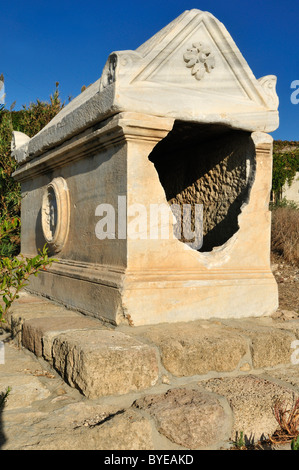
(35, 329)
(198, 347)
(251, 399)
(101, 362)
(270, 341)
(188, 417)
(24, 390)
(78, 426)
(43, 412)
(271, 348)
(290, 325)
(219, 182)
(125, 431)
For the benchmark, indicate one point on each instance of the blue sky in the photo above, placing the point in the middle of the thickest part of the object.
(69, 41)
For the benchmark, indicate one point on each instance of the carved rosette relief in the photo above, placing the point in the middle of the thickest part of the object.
(56, 214)
(200, 59)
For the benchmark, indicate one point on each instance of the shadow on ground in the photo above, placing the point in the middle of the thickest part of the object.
(3, 397)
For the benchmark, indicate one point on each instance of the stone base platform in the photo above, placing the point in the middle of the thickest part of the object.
(179, 386)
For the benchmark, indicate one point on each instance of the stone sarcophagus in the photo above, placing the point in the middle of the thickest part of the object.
(151, 187)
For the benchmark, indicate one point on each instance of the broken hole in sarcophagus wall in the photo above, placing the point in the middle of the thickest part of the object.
(207, 164)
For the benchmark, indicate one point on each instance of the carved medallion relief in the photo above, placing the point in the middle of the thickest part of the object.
(55, 214)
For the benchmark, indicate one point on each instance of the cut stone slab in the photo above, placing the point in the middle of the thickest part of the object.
(270, 345)
(188, 417)
(35, 329)
(251, 399)
(196, 348)
(102, 362)
(292, 326)
(271, 348)
(25, 311)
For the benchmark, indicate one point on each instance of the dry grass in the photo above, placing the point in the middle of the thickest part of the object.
(288, 421)
(285, 234)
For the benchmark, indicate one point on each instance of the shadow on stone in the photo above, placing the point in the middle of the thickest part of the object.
(211, 165)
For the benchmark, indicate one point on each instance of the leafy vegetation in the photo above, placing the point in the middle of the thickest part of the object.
(240, 443)
(295, 444)
(3, 397)
(285, 165)
(14, 273)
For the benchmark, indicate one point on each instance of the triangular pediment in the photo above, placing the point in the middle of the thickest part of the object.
(197, 52)
(195, 62)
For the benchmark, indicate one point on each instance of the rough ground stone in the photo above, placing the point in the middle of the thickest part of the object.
(198, 347)
(188, 417)
(284, 315)
(24, 390)
(102, 362)
(125, 431)
(77, 426)
(251, 399)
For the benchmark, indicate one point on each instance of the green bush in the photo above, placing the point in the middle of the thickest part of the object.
(9, 189)
(285, 165)
(285, 204)
(14, 274)
(9, 236)
(29, 120)
(295, 444)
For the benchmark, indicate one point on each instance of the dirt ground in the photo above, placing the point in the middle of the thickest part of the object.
(287, 278)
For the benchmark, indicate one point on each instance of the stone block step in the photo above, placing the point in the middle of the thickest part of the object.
(90, 356)
(102, 360)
